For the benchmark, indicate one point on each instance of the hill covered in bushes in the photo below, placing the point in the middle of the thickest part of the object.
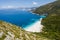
(52, 21)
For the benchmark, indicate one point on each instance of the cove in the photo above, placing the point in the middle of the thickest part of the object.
(21, 18)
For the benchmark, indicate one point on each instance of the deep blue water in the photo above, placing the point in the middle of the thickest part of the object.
(18, 17)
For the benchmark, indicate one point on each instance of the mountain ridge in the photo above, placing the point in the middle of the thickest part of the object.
(52, 21)
(48, 8)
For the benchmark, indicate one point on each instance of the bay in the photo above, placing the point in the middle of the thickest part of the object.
(21, 18)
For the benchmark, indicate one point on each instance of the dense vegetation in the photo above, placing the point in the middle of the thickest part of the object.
(52, 21)
(50, 8)
(52, 27)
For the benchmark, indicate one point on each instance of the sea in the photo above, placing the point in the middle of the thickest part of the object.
(23, 18)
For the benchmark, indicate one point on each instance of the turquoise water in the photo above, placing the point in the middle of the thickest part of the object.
(19, 17)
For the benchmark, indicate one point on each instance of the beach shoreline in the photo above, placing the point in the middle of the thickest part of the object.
(35, 27)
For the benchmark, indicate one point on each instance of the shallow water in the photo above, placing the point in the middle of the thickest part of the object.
(35, 27)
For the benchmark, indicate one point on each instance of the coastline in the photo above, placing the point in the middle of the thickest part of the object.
(35, 27)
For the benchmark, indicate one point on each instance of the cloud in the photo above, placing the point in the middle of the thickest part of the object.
(34, 3)
(6, 7)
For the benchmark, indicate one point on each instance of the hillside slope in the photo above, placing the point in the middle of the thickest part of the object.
(50, 8)
(13, 32)
(52, 21)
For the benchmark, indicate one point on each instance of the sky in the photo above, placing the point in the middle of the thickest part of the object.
(23, 3)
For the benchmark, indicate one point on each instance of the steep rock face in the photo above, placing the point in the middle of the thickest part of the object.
(13, 32)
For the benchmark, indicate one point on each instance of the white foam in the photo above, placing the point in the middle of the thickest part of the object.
(36, 27)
